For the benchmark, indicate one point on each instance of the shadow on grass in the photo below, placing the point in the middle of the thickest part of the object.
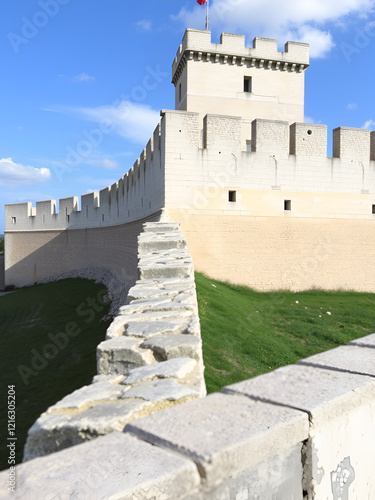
(48, 338)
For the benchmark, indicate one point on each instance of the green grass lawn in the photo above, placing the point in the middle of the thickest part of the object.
(43, 365)
(246, 333)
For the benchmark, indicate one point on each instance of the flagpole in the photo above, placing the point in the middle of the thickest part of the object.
(208, 16)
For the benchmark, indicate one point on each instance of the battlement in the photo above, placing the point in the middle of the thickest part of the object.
(145, 189)
(124, 201)
(232, 50)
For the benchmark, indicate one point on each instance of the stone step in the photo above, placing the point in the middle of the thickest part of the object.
(121, 354)
(147, 245)
(155, 227)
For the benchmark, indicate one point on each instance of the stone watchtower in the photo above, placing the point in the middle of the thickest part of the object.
(231, 79)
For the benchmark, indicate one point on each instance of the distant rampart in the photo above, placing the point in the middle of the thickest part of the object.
(275, 212)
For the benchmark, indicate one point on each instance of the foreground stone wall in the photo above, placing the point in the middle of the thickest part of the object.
(151, 359)
(303, 431)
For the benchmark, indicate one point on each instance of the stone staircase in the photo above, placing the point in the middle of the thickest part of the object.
(151, 358)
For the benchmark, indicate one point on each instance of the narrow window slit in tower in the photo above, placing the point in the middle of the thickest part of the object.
(232, 196)
(247, 84)
(287, 205)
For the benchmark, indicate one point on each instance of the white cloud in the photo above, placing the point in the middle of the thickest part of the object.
(144, 24)
(14, 174)
(107, 163)
(296, 20)
(352, 106)
(82, 77)
(135, 122)
(369, 124)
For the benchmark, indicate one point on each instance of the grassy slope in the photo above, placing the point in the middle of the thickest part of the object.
(26, 318)
(246, 333)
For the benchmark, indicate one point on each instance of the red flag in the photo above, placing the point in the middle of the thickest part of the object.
(201, 2)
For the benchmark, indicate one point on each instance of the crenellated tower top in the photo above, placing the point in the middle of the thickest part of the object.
(229, 78)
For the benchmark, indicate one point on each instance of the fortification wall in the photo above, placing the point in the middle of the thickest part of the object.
(137, 195)
(302, 431)
(296, 219)
(42, 243)
(261, 205)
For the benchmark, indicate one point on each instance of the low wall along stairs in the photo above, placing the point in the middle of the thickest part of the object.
(151, 359)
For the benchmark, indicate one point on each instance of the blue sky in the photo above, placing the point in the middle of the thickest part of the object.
(70, 66)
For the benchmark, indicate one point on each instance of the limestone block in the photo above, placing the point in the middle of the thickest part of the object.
(116, 328)
(45, 436)
(137, 306)
(161, 269)
(87, 396)
(161, 241)
(104, 418)
(159, 391)
(156, 227)
(147, 292)
(158, 316)
(224, 435)
(174, 368)
(113, 379)
(114, 466)
(118, 355)
(147, 329)
(368, 341)
(175, 346)
(349, 358)
(341, 410)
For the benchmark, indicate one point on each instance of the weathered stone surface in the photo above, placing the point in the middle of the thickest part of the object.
(351, 359)
(368, 341)
(118, 355)
(146, 329)
(224, 434)
(143, 292)
(175, 346)
(114, 466)
(87, 395)
(105, 418)
(138, 306)
(158, 227)
(45, 436)
(174, 368)
(161, 241)
(303, 387)
(162, 269)
(160, 390)
(116, 328)
(157, 316)
(340, 404)
(113, 379)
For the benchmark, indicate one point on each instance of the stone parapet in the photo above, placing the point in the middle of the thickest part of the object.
(151, 359)
(302, 431)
